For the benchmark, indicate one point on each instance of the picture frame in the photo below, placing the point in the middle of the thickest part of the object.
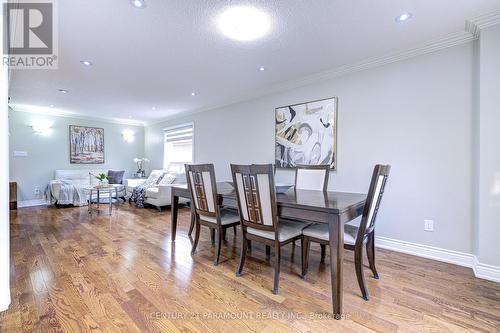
(306, 133)
(86, 145)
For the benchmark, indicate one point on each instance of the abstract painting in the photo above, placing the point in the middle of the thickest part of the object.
(86, 145)
(307, 134)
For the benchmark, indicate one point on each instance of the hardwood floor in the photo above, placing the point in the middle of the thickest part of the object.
(75, 273)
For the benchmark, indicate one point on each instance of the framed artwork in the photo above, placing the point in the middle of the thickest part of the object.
(86, 145)
(306, 134)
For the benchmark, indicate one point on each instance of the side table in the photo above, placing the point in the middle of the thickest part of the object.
(105, 194)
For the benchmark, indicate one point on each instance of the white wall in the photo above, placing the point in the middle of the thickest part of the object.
(414, 114)
(489, 147)
(4, 186)
(48, 153)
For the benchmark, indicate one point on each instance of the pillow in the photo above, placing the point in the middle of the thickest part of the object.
(115, 177)
(167, 179)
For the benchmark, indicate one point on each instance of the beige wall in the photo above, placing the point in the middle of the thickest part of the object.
(489, 148)
(414, 114)
(51, 152)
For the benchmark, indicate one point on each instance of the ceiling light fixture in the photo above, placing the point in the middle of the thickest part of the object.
(86, 62)
(63, 91)
(404, 17)
(244, 23)
(153, 108)
(262, 69)
(138, 3)
(193, 94)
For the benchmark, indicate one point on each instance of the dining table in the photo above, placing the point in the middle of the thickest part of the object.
(332, 208)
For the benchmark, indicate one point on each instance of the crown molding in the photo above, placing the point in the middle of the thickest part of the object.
(482, 22)
(67, 114)
(424, 48)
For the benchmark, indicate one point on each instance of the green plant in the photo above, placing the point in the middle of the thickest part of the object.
(102, 176)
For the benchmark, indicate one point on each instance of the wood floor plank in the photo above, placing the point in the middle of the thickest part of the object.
(71, 272)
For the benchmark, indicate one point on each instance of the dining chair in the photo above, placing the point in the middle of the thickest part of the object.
(355, 238)
(312, 177)
(207, 209)
(258, 211)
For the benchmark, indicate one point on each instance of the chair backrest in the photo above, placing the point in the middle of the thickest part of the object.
(312, 177)
(203, 187)
(256, 196)
(375, 192)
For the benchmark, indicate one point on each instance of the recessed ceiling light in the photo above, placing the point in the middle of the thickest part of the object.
(404, 17)
(138, 3)
(193, 94)
(63, 91)
(262, 69)
(86, 62)
(244, 23)
(51, 105)
(153, 108)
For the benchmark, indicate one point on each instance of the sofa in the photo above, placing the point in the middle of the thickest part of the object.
(158, 195)
(80, 180)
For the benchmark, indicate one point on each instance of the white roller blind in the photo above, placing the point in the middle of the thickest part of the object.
(178, 149)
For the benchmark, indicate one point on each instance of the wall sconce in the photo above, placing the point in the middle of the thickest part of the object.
(42, 127)
(128, 136)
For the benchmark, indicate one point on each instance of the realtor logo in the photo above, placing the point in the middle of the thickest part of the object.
(30, 35)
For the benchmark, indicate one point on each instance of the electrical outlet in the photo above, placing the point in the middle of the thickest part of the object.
(428, 225)
(37, 191)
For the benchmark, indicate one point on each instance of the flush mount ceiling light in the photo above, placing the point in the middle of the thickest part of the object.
(404, 17)
(244, 23)
(193, 94)
(262, 69)
(86, 62)
(138, 3)
(63, 91)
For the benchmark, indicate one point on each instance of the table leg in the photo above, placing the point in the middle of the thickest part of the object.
(336, 229)
(175, 207)
(110, 201)
(98, 198)
(90, 202)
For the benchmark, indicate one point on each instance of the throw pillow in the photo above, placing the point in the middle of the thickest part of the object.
(115, 177)
(167, 179)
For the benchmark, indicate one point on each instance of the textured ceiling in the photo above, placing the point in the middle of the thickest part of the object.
(157, 56)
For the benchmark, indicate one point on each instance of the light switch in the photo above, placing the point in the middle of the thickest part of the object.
(19, 153)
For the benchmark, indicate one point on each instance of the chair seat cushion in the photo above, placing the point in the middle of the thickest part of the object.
(287, 230)
(227, 217)
(320, 231)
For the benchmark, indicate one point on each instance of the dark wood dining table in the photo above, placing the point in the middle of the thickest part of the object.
(332, 208)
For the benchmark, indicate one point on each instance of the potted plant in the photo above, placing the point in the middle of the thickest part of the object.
(102, 177)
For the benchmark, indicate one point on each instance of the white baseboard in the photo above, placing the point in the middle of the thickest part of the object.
(426, 251)
(485, 271)
(31, 203)
(482, 271)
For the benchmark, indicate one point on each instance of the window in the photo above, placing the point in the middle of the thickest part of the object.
(178, 148)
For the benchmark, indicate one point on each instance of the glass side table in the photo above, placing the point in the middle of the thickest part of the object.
(102, 195)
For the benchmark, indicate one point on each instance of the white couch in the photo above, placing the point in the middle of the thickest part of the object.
(158, 195)
(79, 178)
